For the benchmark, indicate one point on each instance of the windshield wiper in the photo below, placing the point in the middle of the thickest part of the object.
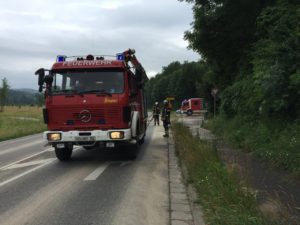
(95, 91)
(72, 91)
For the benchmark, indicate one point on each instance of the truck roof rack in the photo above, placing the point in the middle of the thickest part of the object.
(127, 56)
(62, 58)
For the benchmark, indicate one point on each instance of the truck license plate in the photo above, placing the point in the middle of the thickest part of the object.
(85, 138)
(60, 145)
(110, 144)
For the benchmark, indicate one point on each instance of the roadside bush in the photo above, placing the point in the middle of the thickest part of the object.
(270, 140)
(225, 200)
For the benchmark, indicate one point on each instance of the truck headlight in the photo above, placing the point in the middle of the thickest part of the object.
(54, 136)
(116, 134)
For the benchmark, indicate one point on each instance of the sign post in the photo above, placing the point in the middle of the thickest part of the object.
(214, 92)
(169, 99)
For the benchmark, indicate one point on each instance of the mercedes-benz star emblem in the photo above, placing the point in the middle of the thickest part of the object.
(85, 116)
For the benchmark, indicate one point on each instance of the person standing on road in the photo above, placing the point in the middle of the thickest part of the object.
(156, 112)
(165, 117)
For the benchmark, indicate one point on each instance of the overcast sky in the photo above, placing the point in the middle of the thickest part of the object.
(33, 32)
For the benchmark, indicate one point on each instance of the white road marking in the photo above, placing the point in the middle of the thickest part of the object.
(14, 164)
(2, 152)
(97, 172)
(27, 172)
(31, 163)
(28, 157)
(125, 163)
(38, 153)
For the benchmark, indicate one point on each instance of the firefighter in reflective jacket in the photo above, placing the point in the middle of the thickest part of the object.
(165, 117)
(156, 112)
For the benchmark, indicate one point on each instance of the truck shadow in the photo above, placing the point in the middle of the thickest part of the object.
(102, 154)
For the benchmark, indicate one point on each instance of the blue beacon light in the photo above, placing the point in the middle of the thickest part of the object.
(61, 58)
(120, 56)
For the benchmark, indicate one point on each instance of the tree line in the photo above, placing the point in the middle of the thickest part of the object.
(178, 80)
(250, 51)
(3, 93)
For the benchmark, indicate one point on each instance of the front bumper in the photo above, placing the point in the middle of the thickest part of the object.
(78, 137)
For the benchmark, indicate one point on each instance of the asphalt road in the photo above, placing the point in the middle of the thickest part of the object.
(95, 187)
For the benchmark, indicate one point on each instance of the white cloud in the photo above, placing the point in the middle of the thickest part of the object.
(33, 32)
(107, 4)
(151, 73)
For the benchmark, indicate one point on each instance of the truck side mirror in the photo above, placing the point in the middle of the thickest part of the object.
(41, 73)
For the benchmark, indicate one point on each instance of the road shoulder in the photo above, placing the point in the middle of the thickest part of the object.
(182, 209)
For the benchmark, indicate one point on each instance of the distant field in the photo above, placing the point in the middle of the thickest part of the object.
(18, 121)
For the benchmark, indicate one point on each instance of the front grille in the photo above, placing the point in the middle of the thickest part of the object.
(114, 114)
(99, 116)
(95, 113)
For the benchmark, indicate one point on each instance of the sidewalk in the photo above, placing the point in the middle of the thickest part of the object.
(182, 209)
(194, 124)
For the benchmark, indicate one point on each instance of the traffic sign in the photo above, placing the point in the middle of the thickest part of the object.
(170, 98)
(214, 91)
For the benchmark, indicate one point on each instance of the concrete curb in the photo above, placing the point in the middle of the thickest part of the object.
(181, 212)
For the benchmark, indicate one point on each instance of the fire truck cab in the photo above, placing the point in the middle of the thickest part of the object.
(94, 101)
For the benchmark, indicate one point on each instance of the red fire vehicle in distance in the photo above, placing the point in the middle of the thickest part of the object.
(192, 105)
(94, 101)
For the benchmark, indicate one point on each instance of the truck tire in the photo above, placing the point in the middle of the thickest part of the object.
(142, 140)
(63, 154)
(133, 148)
(189, 112)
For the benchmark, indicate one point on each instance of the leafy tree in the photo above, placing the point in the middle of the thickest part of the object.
(3, 93)
(276, 59)
(177, 80)
(252, 52)
(222, 32)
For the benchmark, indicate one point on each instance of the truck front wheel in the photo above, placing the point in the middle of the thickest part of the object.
(64, 154)
(189, 112)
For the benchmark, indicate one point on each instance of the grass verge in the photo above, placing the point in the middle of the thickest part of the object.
(275, 141)
(225, 200)
(18, 121)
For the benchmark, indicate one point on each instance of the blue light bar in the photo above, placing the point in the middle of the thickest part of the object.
(61, 58)
(120, 56)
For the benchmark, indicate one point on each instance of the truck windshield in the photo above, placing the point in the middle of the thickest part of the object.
(88, 82)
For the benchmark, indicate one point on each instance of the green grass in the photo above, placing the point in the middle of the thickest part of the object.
(18, 121)
(274, 141)
(225, 199)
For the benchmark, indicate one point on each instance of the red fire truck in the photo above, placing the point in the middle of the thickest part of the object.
(192, 105)
(94, 101)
